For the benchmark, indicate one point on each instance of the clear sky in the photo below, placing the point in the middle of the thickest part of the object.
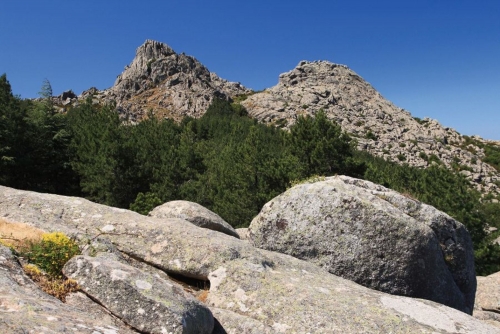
(435, 58)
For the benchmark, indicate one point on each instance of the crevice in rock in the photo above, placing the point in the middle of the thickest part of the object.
(117, 317)
(190, 284)
(490, 310)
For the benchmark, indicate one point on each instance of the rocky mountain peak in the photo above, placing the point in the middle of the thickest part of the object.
(378, 125)
(171, 84)
(312, 71)
(153, 50)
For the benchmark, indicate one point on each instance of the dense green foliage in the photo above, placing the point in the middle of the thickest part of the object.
(224, 161)
(34, 144)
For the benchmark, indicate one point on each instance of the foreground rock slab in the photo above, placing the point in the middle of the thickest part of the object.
(373, 236)
(145, 302)
(264, 288)
(193, 213)
(24, 308)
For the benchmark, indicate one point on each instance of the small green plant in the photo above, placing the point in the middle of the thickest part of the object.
(401, 157)
(57, 287)
(50, 253)
(402, 145)
(148, 65)
(435, 158)
(371, 135)
(311, 179)
(423, 156)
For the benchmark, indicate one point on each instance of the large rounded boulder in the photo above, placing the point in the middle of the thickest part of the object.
(374, 236)
(195, 214)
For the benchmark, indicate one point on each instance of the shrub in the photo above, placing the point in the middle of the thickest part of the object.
(371, 135)
(434, 158)
(50, 253)
(144, 203)
(45, 257)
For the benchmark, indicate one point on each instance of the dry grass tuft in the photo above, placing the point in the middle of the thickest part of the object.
(17, 235)
(57, 287)
(202, 297)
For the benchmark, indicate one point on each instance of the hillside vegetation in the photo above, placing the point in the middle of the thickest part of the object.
(225, 161)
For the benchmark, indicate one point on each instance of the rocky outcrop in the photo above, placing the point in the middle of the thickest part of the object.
(193, 213)
(170, 84)
(143, 301)
(379, 126)
(250, 286)
(373, 236)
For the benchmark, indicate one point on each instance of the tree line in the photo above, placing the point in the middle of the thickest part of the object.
(224, 160)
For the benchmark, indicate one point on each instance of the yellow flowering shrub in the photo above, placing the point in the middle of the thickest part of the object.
(51, 252)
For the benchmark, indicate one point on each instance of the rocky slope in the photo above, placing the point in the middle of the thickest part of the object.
(247, 290)
(379, 126)
(176, 85)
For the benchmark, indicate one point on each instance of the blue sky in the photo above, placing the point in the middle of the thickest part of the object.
(438, 58)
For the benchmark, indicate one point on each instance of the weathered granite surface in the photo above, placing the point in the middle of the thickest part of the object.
(276, 290)
(374, 236)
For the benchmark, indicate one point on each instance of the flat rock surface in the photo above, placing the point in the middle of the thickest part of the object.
(284, 293)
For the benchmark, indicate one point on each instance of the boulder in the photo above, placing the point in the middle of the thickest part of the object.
(373, 236)
(193, 213)
(146, 302)
(276, 290)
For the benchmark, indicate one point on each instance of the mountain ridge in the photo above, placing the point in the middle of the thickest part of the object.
(172, 85)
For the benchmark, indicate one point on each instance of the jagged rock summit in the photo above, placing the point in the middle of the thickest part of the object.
(170, 84)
